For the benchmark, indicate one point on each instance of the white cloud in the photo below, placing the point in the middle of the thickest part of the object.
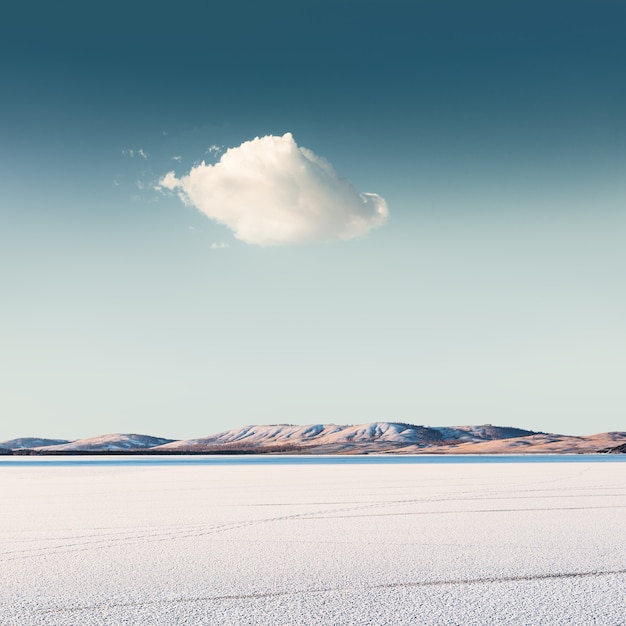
(271, 192)
(177, 158)
(219, 246)
(133, 153)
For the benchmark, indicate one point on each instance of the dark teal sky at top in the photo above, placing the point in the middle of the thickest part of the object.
(520, 84)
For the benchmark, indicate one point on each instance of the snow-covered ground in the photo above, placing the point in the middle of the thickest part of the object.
(420, 544)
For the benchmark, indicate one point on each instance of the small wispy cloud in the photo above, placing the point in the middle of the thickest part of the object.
(219, 246)
(214, 149)
(271, 192)
(136, 153)
(177, 158)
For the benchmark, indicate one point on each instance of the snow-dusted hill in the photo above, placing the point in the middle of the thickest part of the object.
(30, 442)
(542, 443)
(376, 436)
(108, 442)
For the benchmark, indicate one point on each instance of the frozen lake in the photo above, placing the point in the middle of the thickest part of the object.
(109, 460)
(186, 540)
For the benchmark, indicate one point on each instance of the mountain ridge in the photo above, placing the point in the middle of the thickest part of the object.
(368, 438)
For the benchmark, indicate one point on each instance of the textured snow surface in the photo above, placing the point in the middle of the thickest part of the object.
(314, 544)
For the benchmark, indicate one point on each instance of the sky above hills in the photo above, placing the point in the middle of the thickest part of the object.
(429, 228)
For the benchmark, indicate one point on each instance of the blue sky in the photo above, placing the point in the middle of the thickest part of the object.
(493, 293)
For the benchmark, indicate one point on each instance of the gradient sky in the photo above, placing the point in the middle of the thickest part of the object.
(495, 293)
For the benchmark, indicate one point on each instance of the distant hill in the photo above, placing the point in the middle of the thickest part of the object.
(617, 449)
(107, 442)
(30, 442)
(334, 438)
(371, 438)
(540, 443)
